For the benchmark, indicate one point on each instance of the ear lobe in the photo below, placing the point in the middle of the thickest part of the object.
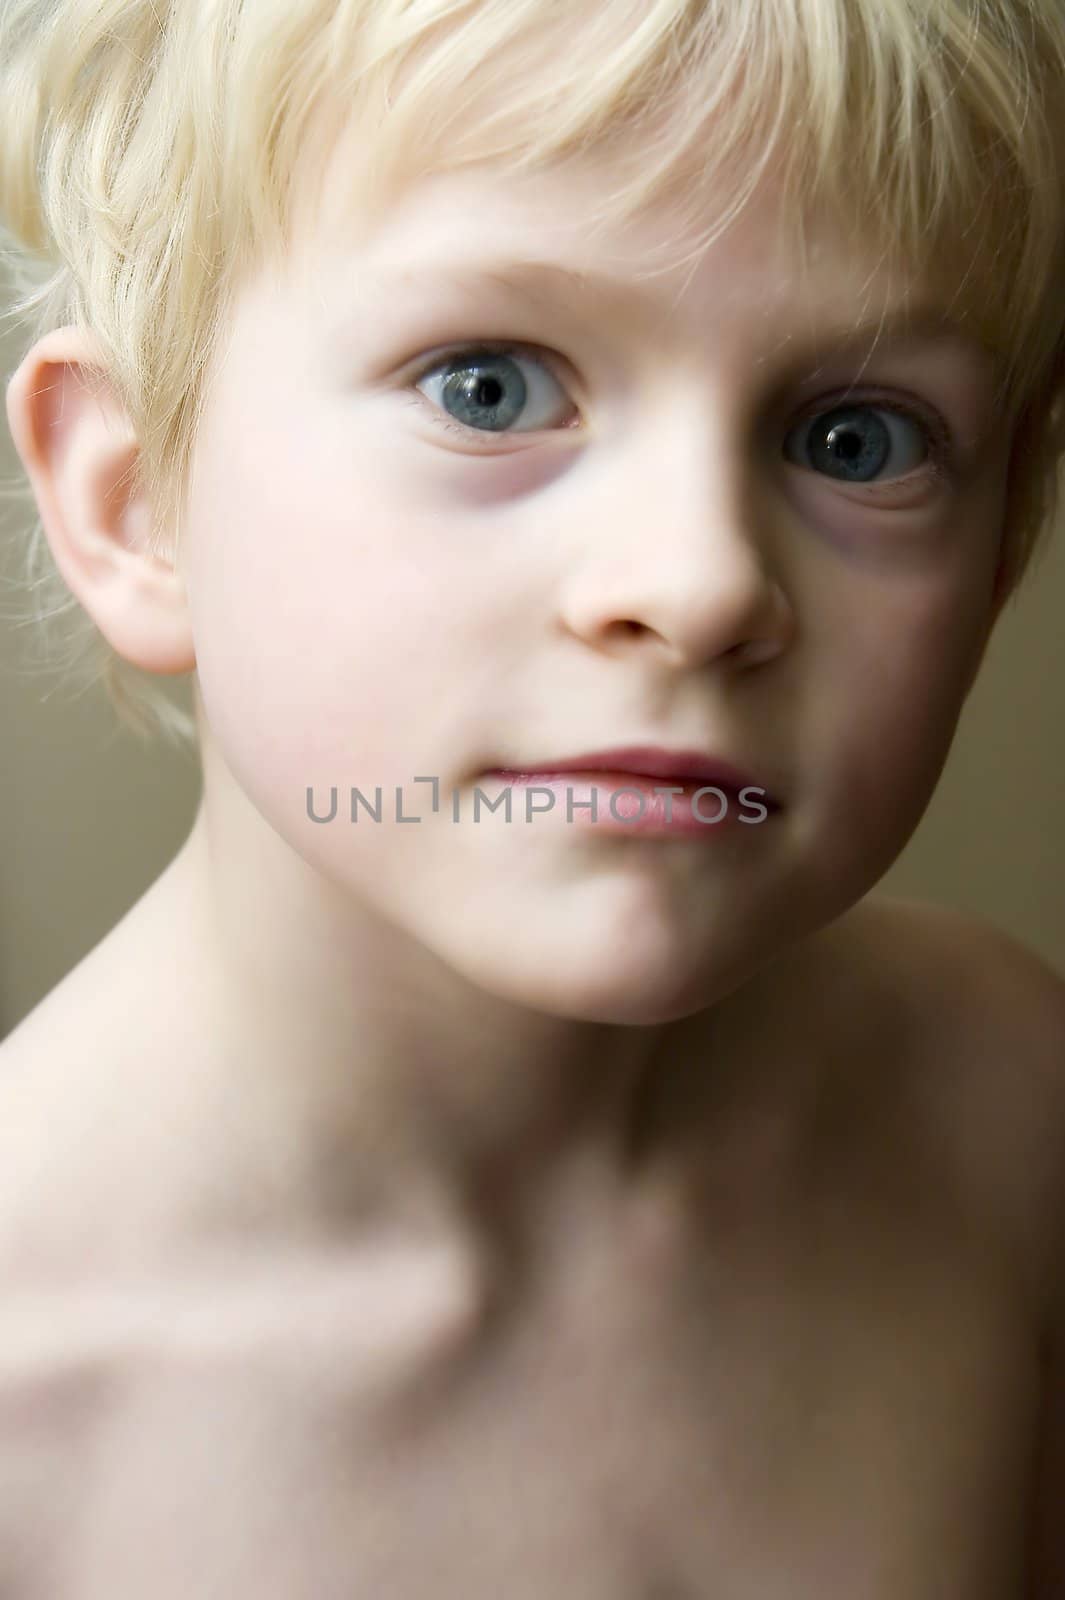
(77, 446)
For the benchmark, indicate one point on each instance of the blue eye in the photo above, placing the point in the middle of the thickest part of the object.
(854, 442)
(482, 390)
(489, 388)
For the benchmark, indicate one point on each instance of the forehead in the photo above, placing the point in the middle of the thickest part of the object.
(479, 231)
(546, 214)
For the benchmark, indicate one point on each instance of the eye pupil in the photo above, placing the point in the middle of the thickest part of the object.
(480, 398)
(854, 439)
(489, 392)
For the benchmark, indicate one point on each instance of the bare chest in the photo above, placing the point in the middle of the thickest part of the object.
(827, 1409)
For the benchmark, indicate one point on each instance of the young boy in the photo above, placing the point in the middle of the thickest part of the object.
(410, 1198)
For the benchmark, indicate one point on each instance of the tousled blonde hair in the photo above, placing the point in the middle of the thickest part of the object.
(152, 153)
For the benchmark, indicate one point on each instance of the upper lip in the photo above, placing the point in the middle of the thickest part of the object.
(652, 761)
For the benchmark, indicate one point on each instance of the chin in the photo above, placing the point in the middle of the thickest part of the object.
(623, 995)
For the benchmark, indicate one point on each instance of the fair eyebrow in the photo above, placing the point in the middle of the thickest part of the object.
(540, 283)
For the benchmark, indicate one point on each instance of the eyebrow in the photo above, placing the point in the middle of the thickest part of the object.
(542, 283)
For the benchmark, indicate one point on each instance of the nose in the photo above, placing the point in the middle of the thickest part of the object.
(678, 572)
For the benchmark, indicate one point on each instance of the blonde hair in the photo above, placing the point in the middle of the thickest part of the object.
(150, 156)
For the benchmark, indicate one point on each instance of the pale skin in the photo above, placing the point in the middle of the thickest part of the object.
(452, 1211)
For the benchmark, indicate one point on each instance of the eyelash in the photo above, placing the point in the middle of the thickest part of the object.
(937, 434)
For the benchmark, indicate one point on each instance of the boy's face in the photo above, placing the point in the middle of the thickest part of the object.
(657, 546)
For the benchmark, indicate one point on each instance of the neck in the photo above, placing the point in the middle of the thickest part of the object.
(384, 1090)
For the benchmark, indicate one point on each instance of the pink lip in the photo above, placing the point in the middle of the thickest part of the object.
(682, 766)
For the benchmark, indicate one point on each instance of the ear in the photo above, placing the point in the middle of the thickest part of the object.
(77, 447)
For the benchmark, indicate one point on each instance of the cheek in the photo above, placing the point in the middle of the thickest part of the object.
(901, 671)
(310, 638)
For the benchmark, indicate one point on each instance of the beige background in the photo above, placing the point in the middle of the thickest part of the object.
(89, 818)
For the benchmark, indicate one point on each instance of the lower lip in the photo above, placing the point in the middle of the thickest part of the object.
(715, 813)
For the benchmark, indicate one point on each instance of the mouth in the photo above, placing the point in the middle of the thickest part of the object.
(615, 801)
(687, 788)
(686, 769)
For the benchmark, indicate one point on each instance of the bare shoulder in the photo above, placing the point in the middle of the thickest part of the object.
(899, 981)
(76, 1107)
(941, 1006)
(980, 1021)
(48, 1109)
(52, 1382)
(97, 1113)
(963, 972)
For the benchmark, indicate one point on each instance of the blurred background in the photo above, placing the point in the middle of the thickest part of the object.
(90, 818)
